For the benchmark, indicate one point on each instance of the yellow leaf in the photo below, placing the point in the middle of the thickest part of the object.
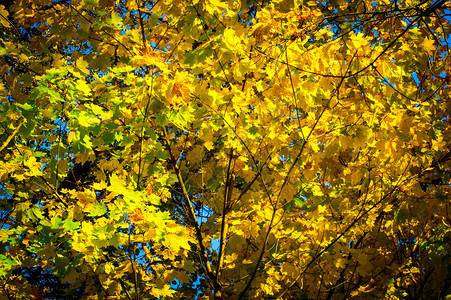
(99, 185)
(209, 145)
(340, 263)
(162, 292)
(82, 65)
(215, 6)
(177, 237)
(428, 45)
(78, 243)
(388, 208)
(231, 40)
(358, 41)
(71, 137)
(354, 293)
(4, 17)
(34, 167)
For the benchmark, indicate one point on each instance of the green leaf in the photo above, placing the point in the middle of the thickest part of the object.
(61, 266)
(190, 58)
(299, 201)
(70, 225)
(402, 215)
(24, 106)
(97, 209)
(6, 264)
(46, 50)
(161, 155)
(108, 137)
(161, 118)
(288, 206)
(36, 214)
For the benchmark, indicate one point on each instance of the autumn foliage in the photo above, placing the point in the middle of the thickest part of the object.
(225, 149)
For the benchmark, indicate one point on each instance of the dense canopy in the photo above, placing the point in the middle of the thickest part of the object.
(225, 149)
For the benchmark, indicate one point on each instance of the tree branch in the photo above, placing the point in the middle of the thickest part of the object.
(191, 213)
(224, 226)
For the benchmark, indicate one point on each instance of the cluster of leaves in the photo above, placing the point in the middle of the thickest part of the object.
(224, 149)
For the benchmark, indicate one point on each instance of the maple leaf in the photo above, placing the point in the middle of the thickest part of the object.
(226, 149)
(428, 45)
